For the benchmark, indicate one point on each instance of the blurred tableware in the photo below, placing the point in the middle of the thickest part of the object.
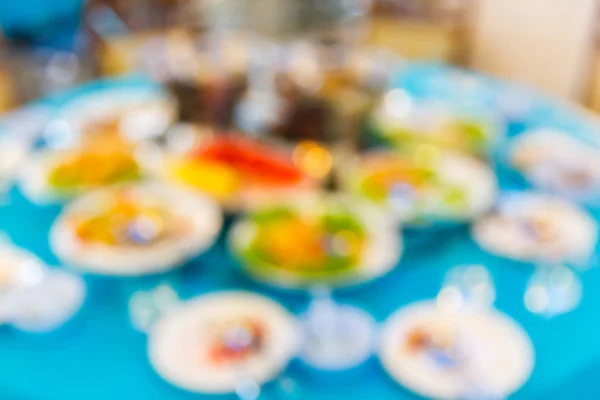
(336, 337)
(401, 121)
(49, 304)
(33, 297)
(19, 269)
(224, 342)
(423, 186)
(467, 288)
(559, 162)
(147, 307)
(136, 111)
(18, 132)
(553, 290)
(326, 89)
(483, 355)
(239, 172)
(548, 232)
(534, 227)
(316, 240)
(52, 175)
(133, 230)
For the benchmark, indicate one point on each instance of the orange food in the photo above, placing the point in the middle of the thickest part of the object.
(96, 164)
(237, 341)
(126, 221)
(305, 249)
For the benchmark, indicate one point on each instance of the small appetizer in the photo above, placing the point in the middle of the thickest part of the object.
(54, 175)
(135, 229)
(425, 186)
(402, 122)
(211, 343)
(555, 161)
(314, 240)
(442, 356)
(138, 113)
(534, 227)
(238, 172)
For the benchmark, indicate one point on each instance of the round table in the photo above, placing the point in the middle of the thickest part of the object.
(99, 356)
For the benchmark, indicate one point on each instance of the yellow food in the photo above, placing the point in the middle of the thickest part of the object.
(215, 179)
(125, 221)
(294, 242)
(97, 166)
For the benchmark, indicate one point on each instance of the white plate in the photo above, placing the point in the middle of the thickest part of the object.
(381, 255)
(502, 232)
(18, 131)
(471, 174)
(555, 160)
(34, 298)
(426, 121)
(35, 175)
(47, 305)
(18, 268)
(143, 113)
(179, 340)
(501, 354)
(203, 214)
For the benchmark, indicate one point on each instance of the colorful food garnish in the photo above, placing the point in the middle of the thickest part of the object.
(92, 167)
(411, 185)
(228, 165)
(236, 341)
(401, 123)
(436, 343)
(556, 161)
(537, 227)
(464, 135)
(542, 227)
(135, 229)
(389, 177)
(422, 338)
(128, 221)
(305, 245)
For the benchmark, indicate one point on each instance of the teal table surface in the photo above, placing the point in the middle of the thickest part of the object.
(98, 356)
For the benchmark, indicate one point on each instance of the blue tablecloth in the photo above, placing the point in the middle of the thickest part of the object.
(98, 355)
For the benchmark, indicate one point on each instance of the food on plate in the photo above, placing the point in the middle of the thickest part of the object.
(316, 239)
(424, 185)
(211, 342)
(401, 121)
(238, 171)
(135, 229)
(55, 175)
(556, 161)
(447, 356)
(536, 227)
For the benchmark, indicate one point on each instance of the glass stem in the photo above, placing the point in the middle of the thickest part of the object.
(323, 309)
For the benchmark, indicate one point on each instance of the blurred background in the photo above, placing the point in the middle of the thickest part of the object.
(312, 73)
(548, 44)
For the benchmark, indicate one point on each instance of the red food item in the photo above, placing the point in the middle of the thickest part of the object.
(418, 339)
(238, 342)
(256, 162)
